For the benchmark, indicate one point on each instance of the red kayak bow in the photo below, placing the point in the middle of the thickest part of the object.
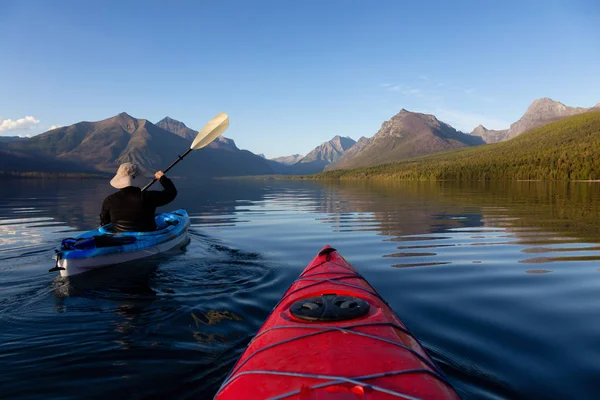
(332, 336)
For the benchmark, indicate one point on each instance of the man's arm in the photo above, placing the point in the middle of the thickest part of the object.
(165, 196)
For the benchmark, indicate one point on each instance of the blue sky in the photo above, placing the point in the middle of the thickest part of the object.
(293, 74)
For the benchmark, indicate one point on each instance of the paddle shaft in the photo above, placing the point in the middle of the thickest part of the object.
(179, 158)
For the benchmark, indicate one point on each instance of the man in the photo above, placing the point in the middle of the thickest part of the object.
(130, 209)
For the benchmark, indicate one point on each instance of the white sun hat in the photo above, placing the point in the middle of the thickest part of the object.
(125, 176)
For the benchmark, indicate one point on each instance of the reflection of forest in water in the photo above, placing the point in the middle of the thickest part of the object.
(568, 209)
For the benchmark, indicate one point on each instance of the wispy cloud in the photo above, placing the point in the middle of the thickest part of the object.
(467, 121)
(25, 123)
(403, 89)
(392, 88)
(413, 92)
(423, 77)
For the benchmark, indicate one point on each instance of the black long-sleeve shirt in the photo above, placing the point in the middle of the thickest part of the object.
(131, 210)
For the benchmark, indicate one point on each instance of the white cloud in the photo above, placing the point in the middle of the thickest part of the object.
(54, 127)
(405, 90)
(21, 124)
(413, 92)
(467, 121)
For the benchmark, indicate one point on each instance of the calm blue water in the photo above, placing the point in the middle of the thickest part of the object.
(501, 282)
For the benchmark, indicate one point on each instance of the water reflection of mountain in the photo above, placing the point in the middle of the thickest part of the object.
(77, 203)
(404, 208)
(390, 208)
(393, 209)
(434, 221)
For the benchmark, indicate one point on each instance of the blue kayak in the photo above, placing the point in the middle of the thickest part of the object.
(102, 247)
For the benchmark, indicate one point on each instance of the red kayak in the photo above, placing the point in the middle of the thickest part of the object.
(333, 337)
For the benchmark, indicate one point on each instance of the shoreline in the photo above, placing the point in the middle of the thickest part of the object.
(317, 178)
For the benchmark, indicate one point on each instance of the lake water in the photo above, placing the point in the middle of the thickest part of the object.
(500, 281)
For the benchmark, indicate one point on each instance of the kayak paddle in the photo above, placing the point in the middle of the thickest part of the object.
(212, 130)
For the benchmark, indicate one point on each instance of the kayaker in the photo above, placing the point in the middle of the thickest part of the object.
(130, 209)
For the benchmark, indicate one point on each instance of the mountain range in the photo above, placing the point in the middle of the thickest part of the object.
(562, 150)
(409, 134)
(99, 147)
(406, 135)
(8, 139)
(540, 112)
(323, 155)
(489, 135)
(288, 160)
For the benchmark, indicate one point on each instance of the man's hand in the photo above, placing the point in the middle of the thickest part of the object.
(158, 175)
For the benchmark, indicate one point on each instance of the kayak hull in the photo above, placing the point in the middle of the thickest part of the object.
(172, 233)
(333, 336)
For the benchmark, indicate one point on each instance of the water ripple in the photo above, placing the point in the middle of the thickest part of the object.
(452, 259)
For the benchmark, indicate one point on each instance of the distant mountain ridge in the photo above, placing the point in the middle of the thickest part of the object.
(405, 135)
(329, 151)
(8, 139)
(490, 135)
(353, 151)
(103, 145)
(540, 112)
(288, 160)
(100, 146)
(180, 129)
(323, 155)
(559, 151)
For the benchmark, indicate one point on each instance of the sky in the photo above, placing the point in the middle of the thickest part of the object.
(293, 74)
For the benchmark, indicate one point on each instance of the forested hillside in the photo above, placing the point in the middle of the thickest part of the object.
(563, 150)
